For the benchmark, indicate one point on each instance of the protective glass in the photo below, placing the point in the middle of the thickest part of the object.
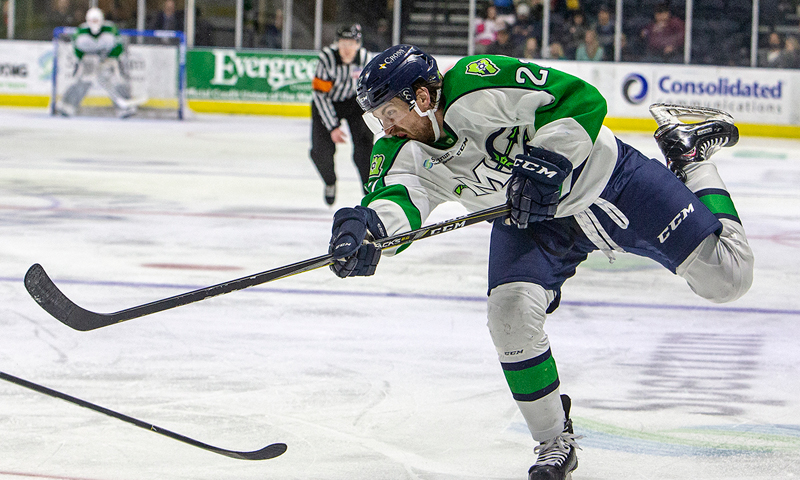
(383, 117)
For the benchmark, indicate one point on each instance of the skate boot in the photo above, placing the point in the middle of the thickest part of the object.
(684, 143)
(557, 457)
(330, 194)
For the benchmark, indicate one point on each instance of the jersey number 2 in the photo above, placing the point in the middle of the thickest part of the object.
(524, 72)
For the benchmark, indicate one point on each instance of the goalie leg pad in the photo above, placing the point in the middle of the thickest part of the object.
(75, 93)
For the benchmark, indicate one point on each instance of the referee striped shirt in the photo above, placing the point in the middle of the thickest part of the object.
(335, 82)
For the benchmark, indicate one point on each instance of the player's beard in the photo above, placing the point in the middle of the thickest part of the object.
(419, 129)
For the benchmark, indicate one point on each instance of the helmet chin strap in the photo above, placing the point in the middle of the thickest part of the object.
(431, 114)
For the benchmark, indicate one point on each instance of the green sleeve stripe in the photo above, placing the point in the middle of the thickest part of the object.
(533, 378)
(397, 194)
(718, 201)
(575, 99)
(384, 154)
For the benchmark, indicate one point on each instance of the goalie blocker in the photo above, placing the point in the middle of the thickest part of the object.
(153, 65)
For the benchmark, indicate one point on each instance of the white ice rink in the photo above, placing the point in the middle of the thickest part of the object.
(388, 377)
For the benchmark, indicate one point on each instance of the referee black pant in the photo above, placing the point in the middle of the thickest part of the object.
(323, 148)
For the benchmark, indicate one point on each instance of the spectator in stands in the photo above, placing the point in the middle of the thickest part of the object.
(590, 49)
(774, 51)
(486, 29)
(575, 30)
(530, 49)
(168, 18)
(664, 36)
(566, 8)
(380, 39)
(524, 27)
(502, 45)
(4, 30)
(63, 14)
(604, 26)
(504, 7)
(203, 30)
(790, 55)
(557, 51)
(273, 36)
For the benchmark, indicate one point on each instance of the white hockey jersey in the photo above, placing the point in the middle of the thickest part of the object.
(494, 107)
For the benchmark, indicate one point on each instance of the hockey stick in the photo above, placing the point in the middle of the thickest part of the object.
(270, 451)
(52, 300)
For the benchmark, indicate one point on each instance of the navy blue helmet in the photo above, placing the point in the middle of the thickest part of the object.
(393, 73)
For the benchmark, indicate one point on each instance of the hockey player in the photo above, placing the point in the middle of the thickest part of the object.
(495, 129)
(98, 49)
(334, 100)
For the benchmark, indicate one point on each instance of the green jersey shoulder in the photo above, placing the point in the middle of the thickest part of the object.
(571, 96)
(105, 42)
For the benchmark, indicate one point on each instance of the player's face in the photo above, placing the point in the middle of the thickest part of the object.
(396, 118)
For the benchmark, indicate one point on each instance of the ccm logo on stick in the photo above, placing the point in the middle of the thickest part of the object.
(447, 228)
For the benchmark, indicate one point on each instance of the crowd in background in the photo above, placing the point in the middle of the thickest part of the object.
(653, 31)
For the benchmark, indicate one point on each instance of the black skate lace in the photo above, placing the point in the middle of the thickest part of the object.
(556, 450)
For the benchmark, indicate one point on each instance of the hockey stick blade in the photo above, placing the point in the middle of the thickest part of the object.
(54, 302)
(270, 451)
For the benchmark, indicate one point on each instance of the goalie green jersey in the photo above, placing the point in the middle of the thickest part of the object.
(494, 107)
(106, 43)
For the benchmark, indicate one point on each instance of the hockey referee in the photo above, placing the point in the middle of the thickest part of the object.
(334, 100)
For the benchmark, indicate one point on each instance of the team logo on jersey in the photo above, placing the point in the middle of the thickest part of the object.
(499, 146)
(485, 180)
(483, 68)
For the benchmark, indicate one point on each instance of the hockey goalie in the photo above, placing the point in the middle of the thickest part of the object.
(99, 55)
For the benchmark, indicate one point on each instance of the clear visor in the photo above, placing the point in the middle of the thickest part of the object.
(384, 117)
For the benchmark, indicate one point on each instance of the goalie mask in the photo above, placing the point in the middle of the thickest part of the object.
(392, 74)
(95, 19)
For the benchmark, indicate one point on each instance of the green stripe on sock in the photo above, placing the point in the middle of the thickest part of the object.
(719, 204)
(533, 379)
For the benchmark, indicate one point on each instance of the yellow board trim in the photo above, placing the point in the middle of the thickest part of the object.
(745, 129)
(212, 106)
(24, 100)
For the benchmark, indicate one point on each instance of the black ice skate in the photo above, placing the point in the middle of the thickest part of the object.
(330, 194)
(684, 143)
(557, 457)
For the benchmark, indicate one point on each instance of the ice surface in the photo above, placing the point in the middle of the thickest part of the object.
(388, 377)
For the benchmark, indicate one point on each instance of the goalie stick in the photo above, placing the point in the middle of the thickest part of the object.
(52, 300)
(270, 451)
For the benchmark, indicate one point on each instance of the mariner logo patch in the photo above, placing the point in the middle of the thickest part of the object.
(483, 68)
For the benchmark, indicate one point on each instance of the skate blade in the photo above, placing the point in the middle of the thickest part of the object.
(666, 113)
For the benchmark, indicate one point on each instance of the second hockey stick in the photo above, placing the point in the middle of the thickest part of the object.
(52, 300)
(270, 451)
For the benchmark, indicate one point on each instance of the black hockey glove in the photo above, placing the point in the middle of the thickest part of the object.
(535, 186)
(354, 256)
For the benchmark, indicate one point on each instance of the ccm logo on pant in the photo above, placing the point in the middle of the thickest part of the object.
(673, 225)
